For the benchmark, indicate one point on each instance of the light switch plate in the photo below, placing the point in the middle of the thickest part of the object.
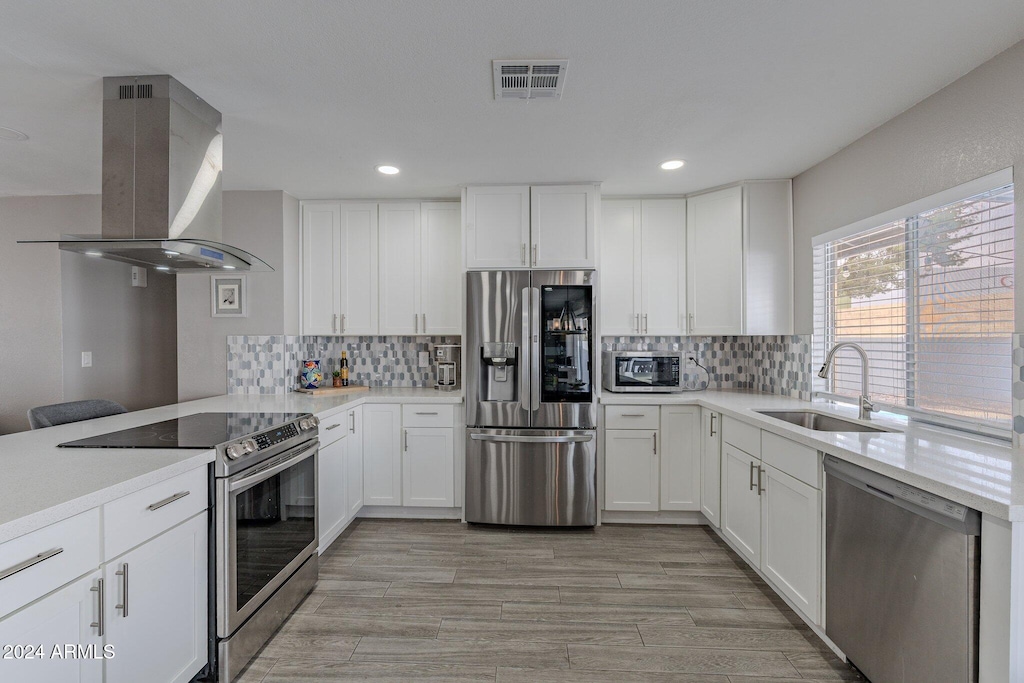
(86, 359)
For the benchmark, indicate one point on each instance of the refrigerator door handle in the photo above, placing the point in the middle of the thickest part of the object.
(524, 361)
(517, 438)
(535, 358)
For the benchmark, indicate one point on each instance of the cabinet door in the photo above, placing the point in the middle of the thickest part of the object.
(497, 227)
(791, 539)
(382, 454)
(428, 467)
(332, 491)
(440, 271)
(399, 239)
(680, 458)
(358, 271)
(620, 266)
(156, 608)
(715, 262)
(741, 503)
(711, 466)
(63, 617)
(354, 458)
(630, 469)
(321, 268)
(663, 266)
(563, 226)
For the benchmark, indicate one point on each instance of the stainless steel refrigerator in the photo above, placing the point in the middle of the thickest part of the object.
(531, 417)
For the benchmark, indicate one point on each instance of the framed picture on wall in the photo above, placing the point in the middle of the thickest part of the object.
(228, 298)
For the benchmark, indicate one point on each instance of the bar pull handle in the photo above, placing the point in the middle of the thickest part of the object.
(426, 413)
(405, 437)
(632, 415)
(524, 354)
(655, 443)
(424, 322)
(167, 501)
(123, 572)
(637, 323)
(518, 438)
(30, 562)
(342, 330)
(752, 476)
(645, 323)
(760, 487)
(691, 325)
(352, 421)
(334, 426)
(535, 357)
(334, 323)
(713, 415)
(522, 253)
(416, 322)
(98, 624)
(534, 254)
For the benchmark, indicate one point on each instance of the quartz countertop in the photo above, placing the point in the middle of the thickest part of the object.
(42, 484)
(982, 473)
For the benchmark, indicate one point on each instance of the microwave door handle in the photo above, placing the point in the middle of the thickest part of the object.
(267, 472)
(535, 349)
(524, 354)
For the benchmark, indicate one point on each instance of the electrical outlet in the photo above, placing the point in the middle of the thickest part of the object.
(86, 359)
(691, 363)
(424, 359)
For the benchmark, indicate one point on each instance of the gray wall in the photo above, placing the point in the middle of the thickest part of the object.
(264, 223)
(129, 330)
(970, 128)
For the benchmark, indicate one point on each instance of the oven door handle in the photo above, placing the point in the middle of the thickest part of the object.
(269, 471)
(519, 438)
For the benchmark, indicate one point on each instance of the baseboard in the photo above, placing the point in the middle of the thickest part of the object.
(659, 517)
(399, 512)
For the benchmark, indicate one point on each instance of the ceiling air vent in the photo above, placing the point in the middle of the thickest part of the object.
(528, 79)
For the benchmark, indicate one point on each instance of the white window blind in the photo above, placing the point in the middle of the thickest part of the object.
(930, 298)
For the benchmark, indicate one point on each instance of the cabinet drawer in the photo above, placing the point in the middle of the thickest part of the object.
(426, 415)
(742, 436)
(631, 417)
(794, 459)
(48, 558)
(334, 427)
(139, 516)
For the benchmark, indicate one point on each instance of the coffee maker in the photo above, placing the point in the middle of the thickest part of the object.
(448, 367)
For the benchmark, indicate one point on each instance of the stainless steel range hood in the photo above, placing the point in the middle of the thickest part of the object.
(162, 162)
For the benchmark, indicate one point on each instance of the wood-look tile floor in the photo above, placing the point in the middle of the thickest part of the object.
(443, 601)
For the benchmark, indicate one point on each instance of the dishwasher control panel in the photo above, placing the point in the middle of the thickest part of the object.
(932, 502)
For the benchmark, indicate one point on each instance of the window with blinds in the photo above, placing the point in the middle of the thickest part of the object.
(930, 298)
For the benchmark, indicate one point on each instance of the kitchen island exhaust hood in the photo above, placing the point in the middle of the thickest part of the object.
(162, 163)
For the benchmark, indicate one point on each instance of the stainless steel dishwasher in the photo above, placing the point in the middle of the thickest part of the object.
(901, 578)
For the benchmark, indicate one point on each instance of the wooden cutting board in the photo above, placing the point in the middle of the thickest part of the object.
(333, 391)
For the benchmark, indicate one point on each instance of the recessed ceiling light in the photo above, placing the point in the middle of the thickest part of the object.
(162, 268)
(387, 170)
(229, 267)
(672, 164)
(12, 135)
(93, 253)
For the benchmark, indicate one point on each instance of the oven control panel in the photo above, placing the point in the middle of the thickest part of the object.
(273, 437)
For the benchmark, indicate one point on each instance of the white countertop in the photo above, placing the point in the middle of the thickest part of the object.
(985, 474)
(42, 484)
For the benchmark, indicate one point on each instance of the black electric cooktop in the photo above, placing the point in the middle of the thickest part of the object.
(200, 431)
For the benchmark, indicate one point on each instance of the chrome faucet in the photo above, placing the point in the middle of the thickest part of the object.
(866, 406)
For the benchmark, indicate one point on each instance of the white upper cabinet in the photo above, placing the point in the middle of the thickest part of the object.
(715, 267)
(358, 269)
(321, 288)
(563, 226)
(518, 226)
(643, 259)
(740, 260)
(497, 227)
(440, 288)
(399, 240)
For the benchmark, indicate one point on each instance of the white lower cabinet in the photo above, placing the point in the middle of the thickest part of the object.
(680, 458)
(631, 469)
(354, 462)
(382, 454)
(332, 490)
(711, 466)
(741, 502)
(63, 617)
(428, 464)
(155, 608)
(791, 539)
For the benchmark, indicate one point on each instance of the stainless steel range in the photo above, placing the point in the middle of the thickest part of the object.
(263, 539)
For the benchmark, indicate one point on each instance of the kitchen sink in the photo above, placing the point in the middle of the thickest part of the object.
(820, 422)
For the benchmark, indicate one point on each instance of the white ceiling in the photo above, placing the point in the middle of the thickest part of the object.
(315, 94)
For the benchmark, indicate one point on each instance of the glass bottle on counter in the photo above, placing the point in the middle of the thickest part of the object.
(344, 368)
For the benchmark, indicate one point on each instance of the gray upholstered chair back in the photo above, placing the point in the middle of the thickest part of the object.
(73, 411)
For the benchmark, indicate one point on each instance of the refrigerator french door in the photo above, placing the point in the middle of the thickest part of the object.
(531, 413)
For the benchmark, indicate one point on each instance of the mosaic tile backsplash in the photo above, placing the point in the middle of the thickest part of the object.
(773, 364)
(271, 364)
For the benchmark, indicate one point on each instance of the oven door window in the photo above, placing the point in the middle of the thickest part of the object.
(650, 371)
(275, 520)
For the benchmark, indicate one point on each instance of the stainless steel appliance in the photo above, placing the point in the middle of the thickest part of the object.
(448, 367)
(642, 371)
(901, 578)
(162, 163)
(530, 401)
(263, 539)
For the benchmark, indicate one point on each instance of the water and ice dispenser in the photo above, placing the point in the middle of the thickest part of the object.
(500, 378)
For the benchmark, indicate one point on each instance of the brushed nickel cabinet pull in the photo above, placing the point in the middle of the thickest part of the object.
(352, 421)
(98, 624)
(760, 488)
(416, 322)
(123, 572)
(752, 475)
(424, 322)
(334, 426)
(655, 443)
(425, 413)
(522, 253)
(632, 415)
(535, 254)
(167, 501)
(712, 424)
(30, 562)
(342, 330)
(405, 437)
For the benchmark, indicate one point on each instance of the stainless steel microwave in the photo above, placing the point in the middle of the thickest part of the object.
(643, 371)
